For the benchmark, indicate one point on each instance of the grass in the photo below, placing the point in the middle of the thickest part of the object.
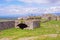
(51, 27)
(48, 38)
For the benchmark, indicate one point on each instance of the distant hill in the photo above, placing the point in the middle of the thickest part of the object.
(58, 14)
(18, 16)
(30, 14)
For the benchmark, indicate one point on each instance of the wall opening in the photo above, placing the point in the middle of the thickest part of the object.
(22, 25)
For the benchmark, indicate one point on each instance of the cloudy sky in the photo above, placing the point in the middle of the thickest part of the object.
(22, 7)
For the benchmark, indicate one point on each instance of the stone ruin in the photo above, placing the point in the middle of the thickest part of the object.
(25, 24)
(58, 18)
(7, 24)
(51, 17)
(29, 23)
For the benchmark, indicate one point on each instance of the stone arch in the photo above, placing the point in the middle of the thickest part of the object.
(22, 25)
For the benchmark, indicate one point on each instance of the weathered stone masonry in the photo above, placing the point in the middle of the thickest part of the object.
(7, 25)
(10, 24)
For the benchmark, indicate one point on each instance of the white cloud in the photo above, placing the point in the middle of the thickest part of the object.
(53, 9)
(13, 9)
(45, 2)
(34, 1)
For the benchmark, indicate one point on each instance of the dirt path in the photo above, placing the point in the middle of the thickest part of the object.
(34, 37)
(41, 36)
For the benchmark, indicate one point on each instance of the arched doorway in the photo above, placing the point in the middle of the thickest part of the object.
(22, 25)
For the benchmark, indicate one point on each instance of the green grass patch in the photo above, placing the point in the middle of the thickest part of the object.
(51, 27)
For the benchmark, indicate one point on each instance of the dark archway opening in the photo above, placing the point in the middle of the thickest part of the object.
(22, 25)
